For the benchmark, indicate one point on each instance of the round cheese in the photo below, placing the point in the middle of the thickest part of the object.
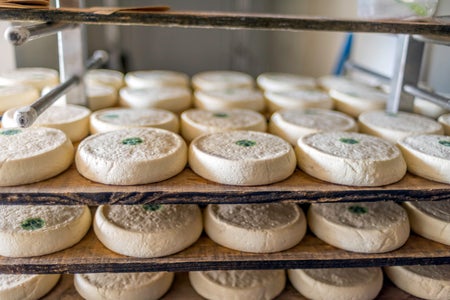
(244, 98)
(149, 230)
(156, 78)
(354, 100)
(106, 77)
(222, 80)
(366, 227)
(338, 283)
(33, 154)
(120, 118)
(426, 282)
(242, 157)
(33, 230)
(332, 82)
(100, 96)
(36, 77)
(430, 219)
(259, 228)
(427, 108)
(26, 286)
(350, 158)
(119, 286)
(73, 120)
(445, 122)
(16, 96)
(195, 122)
(394, 127)
(427, 156)
(277, 82)
(238, 284)
(131, 156)
(297, 99)
(175, 99)
(293, 124)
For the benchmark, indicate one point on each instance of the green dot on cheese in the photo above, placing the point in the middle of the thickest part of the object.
(152, 207)
(32, 224)
(111, 116)
(445, 143)
(348, 141)
(132, 141)
(10, 131)
(245, 143)
(221, 115)
(358, 210)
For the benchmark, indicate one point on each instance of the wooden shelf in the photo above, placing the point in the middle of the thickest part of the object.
(233, 20)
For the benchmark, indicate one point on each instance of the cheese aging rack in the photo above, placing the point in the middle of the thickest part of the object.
(70, 188)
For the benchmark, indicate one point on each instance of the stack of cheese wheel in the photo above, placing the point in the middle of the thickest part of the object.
(196, 122)
(36, 77)
(16, 96)
(339, 283)
(332, 82)
(131, 156)
(112, 78)
(428, 109)
(33, 230)
(242, 157)
(394, 127)
(156, 78)
(426, 282)
(259, 228)
(33, 154)
(222, 80)
(73, 120)
(26, 287)
(445, 122)
(221, 99)
(367, 227)
(119, 286)
(350, 158)
(120, 118)
(293, 124)
(149, 230)
(297, 99)
(238, 284)
(278, 82)
(427, 156)
(100, 96)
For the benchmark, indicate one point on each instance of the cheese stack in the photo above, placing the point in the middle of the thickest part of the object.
(221, 99)
(279, 82)
(297, 99)
(222, 80)
(112, 78)
(17, 96)
(145, 79)
(35, 77)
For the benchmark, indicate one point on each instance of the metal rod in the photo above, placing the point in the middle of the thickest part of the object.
(18, 35)
(432, 97)
(354, 66)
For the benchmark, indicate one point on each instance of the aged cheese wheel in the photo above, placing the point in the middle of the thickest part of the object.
(222, 80)
(33, 230)
(175, 98)
(195, 122)
(156, 78)
(120, 286)
(73, 120)
(427, 156)
(120, 118)
(100, 96)
(445, 122)
(33, 154)
(131, 156)
(426, 282)
(291, 124)
(430, 219)
(16, 96)
(259, 228)
(106, 77)
(238, 284)
(297, 99)
(26, 286)
(277, 82)
(350, 158)
(394, 127)
(149, 230)
(332, 82)
(36, 77)
(242, 157)
(367, 227)
(244, 98)
(428, 109)
(338, 283)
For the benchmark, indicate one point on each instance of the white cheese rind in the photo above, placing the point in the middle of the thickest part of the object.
(16, 96)
(26, 287)
(332, 82)
(243, 98)
(112, 78)
(445, 122)
(297, 99)
(354, 100)
(220, 80)
(36, 77)
(156, 78)
(277, 82)
(100, 96)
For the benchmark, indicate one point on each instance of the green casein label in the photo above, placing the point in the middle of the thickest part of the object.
(132, 141)
(32, 224)
(111, 116)
(358, 210)
(10, 132)
(348, 141)
(220, 115)
(445, 143)
(152, 207)
(246, 143)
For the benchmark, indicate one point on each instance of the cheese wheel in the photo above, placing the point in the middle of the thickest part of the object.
(36, 77)
(297, 99)
(427, 156)
(120, 118)
(156, 78)
(73, 120)
(238, 284)
(366, 227)
(112, 78)
(120, 286)
(277, 82)
(33, 230)
(427, 108)
(242, 157)
(33, 154)
(222, 80)
(394, 127)
(354, 100)
(175, 99)
(131, 156)
(426, 282)
(430, 219)
(350, 158)
(332, 82)
(195, 122)
(338, 283)
(100, 96)
(244, 98)
(26, 286)
(149, 230)
(445, 122)
(293, 124)
(259, 228)
(17, 95)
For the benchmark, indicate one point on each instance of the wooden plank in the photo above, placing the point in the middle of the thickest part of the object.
(233, 20)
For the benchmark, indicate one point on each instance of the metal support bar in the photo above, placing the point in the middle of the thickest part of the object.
(18, 35)
(354, 66)
(423, 94)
